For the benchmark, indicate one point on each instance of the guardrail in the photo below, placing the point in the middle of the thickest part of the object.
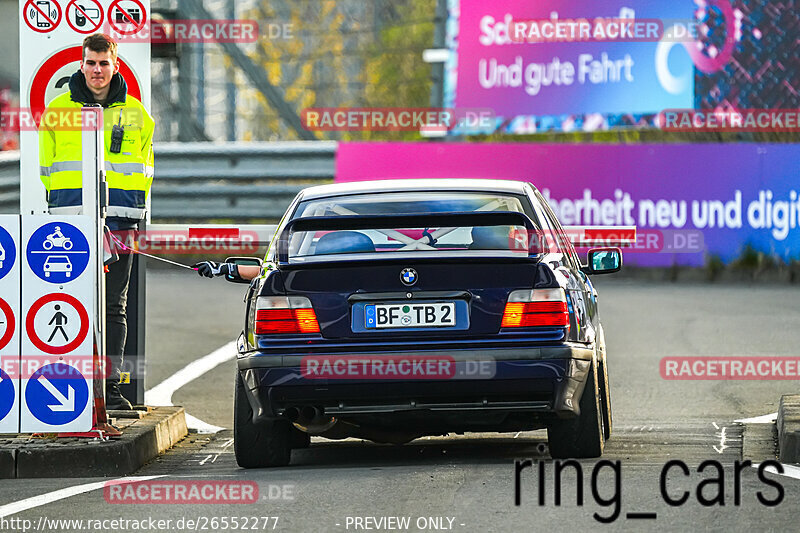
(217, 181)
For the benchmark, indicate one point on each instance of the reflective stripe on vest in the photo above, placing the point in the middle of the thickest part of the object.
(125, 168)
(113, 211)
(61, 166)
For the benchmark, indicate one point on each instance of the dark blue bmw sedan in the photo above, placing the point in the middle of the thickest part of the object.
(390, 310)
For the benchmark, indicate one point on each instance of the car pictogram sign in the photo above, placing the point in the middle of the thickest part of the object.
(42, 16)
(57, 323)
(58, 252)
(127, 17)
(85, 16)
(52, 78)
(56, 394)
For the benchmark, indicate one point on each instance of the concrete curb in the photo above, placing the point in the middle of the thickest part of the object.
(142, 441)
(788, 424)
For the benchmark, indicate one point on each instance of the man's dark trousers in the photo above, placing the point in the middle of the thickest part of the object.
(117, 279)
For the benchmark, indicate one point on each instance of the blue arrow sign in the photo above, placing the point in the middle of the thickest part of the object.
(56, 394)
(7, 394)
(8, 252)
(58, 252)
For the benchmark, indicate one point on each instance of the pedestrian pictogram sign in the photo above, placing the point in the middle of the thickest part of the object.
(127, 17)
(9, 322)
(58, 252)
(58, 295)
(57, 394)
(85, 16)
(42, 16)
(57, 323)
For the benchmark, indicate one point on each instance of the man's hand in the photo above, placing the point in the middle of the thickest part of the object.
(210, 269)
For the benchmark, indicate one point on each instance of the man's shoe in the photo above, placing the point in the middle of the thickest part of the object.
(115, 401)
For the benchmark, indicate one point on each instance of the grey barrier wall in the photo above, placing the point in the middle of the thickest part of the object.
(216, 181)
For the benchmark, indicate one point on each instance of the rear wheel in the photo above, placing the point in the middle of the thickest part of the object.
(258, 445)
(605, 396)
(602, 382)
(584, 436)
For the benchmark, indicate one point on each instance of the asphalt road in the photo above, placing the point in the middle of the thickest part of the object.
(467, 483)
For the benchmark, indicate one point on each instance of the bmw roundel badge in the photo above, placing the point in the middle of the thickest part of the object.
(408, 276)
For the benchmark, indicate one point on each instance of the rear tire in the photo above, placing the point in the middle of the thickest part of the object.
(258, 445)
(582, 437)
(605, 390)
(605, 396)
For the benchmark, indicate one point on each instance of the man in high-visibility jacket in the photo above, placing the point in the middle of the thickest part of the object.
(128, 166)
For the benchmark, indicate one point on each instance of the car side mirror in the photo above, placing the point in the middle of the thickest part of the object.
(603, 261)
(242, 261)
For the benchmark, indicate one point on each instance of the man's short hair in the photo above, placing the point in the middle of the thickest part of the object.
(100, 42)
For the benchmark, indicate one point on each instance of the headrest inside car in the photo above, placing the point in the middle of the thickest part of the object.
(342, 242)
(489, 238)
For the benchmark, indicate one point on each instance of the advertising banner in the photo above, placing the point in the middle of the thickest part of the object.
(588, 65)
(581, 76)
(686, 200)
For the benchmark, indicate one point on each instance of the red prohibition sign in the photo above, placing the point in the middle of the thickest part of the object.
(10, 323)
(68, 55)
(127, 17)
(79, 338)
(37, 12)
(80, 10)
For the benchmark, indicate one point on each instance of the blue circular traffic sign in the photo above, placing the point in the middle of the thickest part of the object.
(58, 252)
(7, 394)
(56, 394)
(8, 252)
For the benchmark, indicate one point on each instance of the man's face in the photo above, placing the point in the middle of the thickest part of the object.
(98, 68)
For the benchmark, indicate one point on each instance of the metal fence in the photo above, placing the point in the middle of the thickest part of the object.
(216, 181)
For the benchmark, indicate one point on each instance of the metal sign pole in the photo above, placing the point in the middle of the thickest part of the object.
(95, 200)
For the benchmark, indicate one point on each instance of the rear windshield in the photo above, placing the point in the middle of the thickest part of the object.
(503, 239)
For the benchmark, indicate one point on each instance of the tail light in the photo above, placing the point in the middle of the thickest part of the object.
(281, 315)
(537, 307)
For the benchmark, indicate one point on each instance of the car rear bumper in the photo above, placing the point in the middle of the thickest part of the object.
(547, 380)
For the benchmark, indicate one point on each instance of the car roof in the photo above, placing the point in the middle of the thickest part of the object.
(411, 185)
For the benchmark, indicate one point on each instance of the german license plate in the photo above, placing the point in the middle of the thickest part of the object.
(408, 315)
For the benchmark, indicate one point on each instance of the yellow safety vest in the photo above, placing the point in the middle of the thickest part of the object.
(129, 173)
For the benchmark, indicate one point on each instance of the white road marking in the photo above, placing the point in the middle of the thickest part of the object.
(722, 440)
(715, 425)
(162, 393)
(60, 494)
(788, 470)
(763, 419)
